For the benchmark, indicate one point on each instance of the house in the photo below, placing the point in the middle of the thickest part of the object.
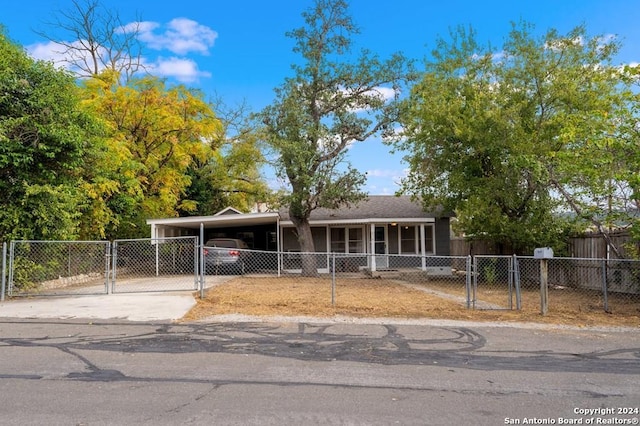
(383, 225)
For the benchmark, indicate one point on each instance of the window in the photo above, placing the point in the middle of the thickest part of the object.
(409, 237)
(428, 239)
(408, 240)
(356, 243)
(347, 240)
(338, 240)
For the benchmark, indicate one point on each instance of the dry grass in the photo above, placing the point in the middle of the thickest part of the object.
(296, 296)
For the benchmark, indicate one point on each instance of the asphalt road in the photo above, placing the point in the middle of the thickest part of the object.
(76, 372)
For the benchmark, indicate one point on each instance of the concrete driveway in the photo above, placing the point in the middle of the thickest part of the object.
(131, 306)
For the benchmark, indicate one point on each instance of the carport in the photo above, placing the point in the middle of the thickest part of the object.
(261, 231)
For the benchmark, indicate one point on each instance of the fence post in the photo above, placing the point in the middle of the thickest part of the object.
(201, 263)
(468, 281)
(4, 270)
(108, 268)
(605, 296)
(475, 282)
(510, 281)
(544, 287)
(11, 257)
(333, 279)
(516, 279)
(114, 265)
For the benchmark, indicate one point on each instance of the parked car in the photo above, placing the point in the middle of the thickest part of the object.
(225, 255)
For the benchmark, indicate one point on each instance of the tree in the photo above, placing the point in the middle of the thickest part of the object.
(231, 175)
(156, 132)
(515, 140)
(327, 105)
(99, 40)
(44, 138)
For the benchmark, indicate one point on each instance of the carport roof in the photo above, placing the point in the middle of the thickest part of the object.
(223, 220)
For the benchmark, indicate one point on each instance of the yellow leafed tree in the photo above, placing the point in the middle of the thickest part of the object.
(155, 133)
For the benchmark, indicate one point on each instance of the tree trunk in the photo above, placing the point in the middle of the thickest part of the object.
(307, 247)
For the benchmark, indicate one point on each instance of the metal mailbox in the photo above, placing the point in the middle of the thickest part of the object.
(543, 253)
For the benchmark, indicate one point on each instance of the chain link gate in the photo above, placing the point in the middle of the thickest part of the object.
(147, 265)
(495, 282)
(53, 268)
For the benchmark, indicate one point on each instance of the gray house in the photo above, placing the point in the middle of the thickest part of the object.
(376, 229)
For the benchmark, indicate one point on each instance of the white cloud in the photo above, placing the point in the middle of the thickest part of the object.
(182, 69)
(380, 92)
(385, 93)
(49, 51)
(393, 174)
(141, 27)
(64, 56)
(382, 173)
(181, 36)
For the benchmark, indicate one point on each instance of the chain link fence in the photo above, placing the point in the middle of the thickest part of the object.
(58, 267)
(573, 285)
(146, 265)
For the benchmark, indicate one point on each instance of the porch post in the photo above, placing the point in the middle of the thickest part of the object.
(373, 247)
(423, 247)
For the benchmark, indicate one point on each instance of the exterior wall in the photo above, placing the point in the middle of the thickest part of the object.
(442, 236)
(290, 239)
(393, 239)
(257, 236)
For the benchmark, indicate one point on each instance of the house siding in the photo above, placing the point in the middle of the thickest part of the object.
(442, 236)
(290, 239)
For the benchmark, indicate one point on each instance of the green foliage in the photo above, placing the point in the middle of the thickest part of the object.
(230, 176)
(155, 135)
(514, 139)
(44, 138)
(327, 105)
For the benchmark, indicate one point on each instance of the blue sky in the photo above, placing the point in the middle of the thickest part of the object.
(239, 51)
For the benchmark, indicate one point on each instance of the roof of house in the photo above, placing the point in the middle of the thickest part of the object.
(373, 207)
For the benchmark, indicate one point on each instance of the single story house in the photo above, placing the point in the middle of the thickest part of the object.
(383, 225)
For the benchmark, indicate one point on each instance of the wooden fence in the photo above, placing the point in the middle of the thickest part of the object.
(594, 246)
(585, 267)
(588, 246)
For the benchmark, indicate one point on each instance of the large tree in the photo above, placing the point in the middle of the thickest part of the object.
(44, 139)
(517, 139)
(329, 103)
(155, 134)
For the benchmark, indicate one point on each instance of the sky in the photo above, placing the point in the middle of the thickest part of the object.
(238, 50)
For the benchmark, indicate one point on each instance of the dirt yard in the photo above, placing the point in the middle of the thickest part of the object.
(296, 296)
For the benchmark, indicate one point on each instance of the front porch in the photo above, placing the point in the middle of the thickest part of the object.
(363, 245)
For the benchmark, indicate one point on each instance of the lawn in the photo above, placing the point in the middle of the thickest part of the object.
(393, 298)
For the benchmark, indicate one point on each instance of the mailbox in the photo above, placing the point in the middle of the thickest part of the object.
(543, 253)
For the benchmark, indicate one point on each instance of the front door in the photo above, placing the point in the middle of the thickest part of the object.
(380, 247)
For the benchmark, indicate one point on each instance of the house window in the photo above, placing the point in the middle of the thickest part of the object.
(347, 240)
(409, 237)
(428, 240)
(338, 240)
(408, 240)
(356, 243)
